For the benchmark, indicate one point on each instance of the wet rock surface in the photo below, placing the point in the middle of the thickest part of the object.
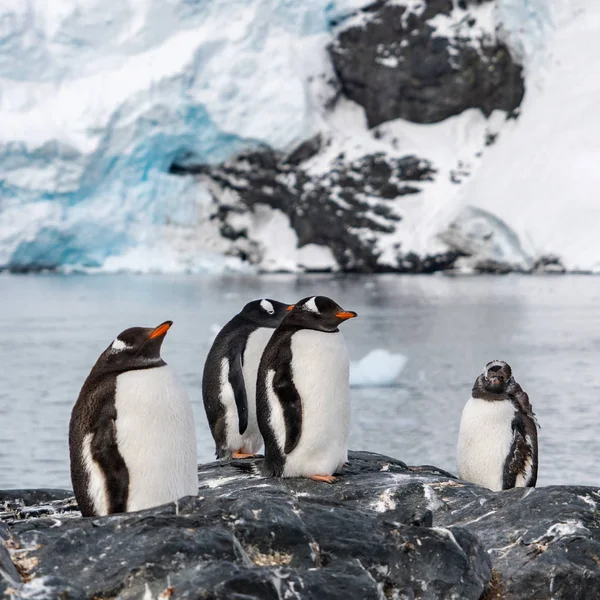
(424, 65)
(383, 530)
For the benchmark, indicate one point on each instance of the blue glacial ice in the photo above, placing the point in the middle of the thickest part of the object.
(99, 97)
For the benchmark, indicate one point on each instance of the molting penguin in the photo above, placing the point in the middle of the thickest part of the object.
(497, 441)
(132, 438)
(303, 393)
(229, 379)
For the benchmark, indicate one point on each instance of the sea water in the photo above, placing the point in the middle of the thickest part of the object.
(54, 327)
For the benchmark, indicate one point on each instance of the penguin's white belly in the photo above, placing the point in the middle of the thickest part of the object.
(251, 440)
(156, 437)
(320, 372)
(484, 441)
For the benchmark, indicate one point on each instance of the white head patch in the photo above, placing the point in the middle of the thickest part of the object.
(312, 305)
(266, 305)
(119, 345)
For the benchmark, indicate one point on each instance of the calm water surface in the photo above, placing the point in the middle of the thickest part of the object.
(53, 328)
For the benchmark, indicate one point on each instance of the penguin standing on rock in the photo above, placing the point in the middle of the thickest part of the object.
(303, 393)
(132, 439)
(498, 439)
(229, 379)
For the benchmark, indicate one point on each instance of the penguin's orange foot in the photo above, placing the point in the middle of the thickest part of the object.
(324, 478)
(242, 455)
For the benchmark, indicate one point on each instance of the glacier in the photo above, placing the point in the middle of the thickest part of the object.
(98, 99)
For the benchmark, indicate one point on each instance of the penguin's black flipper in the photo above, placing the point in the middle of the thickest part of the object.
(236, 380)
(105, 452)
(291, 404)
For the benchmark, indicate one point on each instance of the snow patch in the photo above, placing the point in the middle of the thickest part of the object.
(448, 534)
(560, 530)
(433, 500)
(385, 501)
(486, 239)
(215, 483)
(589, 501)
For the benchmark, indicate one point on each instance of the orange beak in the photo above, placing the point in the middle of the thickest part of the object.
(160, 330)
(290, 307)
(346, 314)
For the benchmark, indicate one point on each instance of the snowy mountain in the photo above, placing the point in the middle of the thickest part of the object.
(395, 135)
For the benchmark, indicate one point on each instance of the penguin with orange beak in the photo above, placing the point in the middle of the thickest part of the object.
(303, 392)
(229, 378)
(132, 438)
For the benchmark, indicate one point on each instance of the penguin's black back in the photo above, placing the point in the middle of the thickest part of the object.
(230, 342)
(95, 412)
(277, 356)
(525, 440)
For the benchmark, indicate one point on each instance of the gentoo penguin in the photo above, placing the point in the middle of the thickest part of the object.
(303, 393)
(132, 438)
(497, 441)
(229, 379)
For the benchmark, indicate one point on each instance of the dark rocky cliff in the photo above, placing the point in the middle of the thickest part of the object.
(396, 64)
(383, 531)
(422, 65)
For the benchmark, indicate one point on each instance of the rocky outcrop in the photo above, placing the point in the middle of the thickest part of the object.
(424, 64)
(355, 207)
(346, 209)
(383, 531)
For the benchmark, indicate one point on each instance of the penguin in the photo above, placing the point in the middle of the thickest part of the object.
(498, 437)
(303, 393)
(229, 378)
(132, 439)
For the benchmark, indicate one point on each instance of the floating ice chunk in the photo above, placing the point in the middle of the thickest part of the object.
(379, 368)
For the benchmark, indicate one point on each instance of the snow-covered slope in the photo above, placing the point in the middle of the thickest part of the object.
(542, 177)
(99, 98)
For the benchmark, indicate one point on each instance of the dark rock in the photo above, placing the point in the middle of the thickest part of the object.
(305, 150)
(9, 576)
(394, 64)
(549, 264)
(347, 209)
(31, 497)
(246, 537)
(384, 530)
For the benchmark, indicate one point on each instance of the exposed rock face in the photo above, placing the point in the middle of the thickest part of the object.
(346, 209)
(424, 64)
(384, 530)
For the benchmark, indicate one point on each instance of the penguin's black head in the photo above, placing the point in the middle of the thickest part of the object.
(496, 375)
(317, 312)
(265, 312)
(136, 348)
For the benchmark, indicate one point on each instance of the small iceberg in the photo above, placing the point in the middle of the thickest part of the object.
(379, 368)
